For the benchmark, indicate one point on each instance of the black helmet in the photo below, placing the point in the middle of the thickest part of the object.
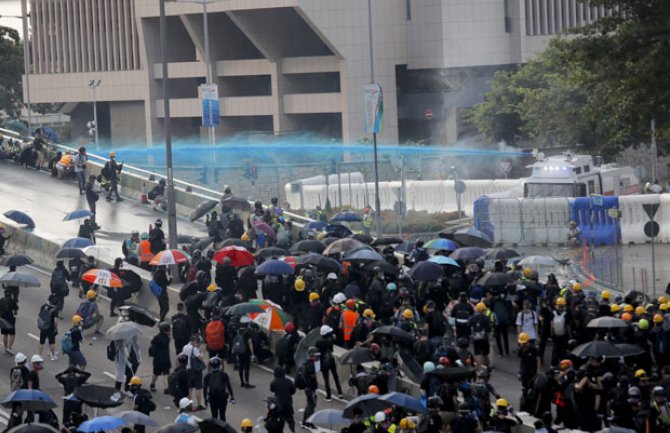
(215, 363)
(197, 254)
(200, 275)
(161, 182)
(634, 393)
(182, 359)
(464, 408)
(434, 402)
(210, 254)
(659, 391)
(158, 222)
(164, 326)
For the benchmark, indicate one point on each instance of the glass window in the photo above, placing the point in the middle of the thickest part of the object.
(539, 190)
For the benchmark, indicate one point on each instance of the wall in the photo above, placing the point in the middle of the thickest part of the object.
(128, 120)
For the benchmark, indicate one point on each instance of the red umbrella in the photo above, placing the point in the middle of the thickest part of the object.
(291, 260)
(102, 277)
(238, 256)
(265, 228)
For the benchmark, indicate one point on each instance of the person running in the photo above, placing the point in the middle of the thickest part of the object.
(89, 312)
(159, 350)
(46, 323)
(8, 310)
(217, 389)
(112, 171)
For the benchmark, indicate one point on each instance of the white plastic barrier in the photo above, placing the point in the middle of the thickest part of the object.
(505, 214)
(664, 210)
(545, 220)
(633, 217)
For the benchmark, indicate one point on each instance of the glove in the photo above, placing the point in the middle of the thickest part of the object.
(232, 401)
(253, 359)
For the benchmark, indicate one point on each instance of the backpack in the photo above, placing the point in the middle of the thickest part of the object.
(217, 385)
(16, 378)
(239, 345)
(211, 300)
(215, 334)
(105, 171)
(155, 288)
(180, 328)
(300, 382)
(144, 402)
(478, 330)
(66, 343)
(58, 278)
(44, 318)
(333, 316)
(558, 324)
(4, 307)
(423, 424)
(174, 387)
(111, 351)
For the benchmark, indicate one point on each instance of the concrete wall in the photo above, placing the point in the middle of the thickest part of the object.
(129, 121)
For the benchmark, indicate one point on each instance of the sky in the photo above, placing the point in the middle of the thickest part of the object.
(11, 7)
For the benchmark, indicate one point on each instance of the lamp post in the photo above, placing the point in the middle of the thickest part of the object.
(378, 210)
(93, 85)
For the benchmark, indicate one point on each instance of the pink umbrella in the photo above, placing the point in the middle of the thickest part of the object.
(265, 228)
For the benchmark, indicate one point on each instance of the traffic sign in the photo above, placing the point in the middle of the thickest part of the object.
(429, 113)
(651, 229)
(651, 209)
(459, 186)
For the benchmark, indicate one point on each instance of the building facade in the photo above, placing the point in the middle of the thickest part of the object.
(284, 66)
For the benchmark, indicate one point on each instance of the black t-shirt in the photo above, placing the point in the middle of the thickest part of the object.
(76, 336)
(528, 357)
(463, 424)
(34, 379)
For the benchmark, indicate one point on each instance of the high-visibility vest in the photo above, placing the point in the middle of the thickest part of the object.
(145, 251)
(349, 320)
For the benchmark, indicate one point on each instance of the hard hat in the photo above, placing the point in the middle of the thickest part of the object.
(501, 402)
(20, 358)
(407, 314)
(369, 313)
(643, 324)
(434, 402)
(443, 360)
(577, 287)
(662, 299)
(634, 391)
(560, 301)
(299, 285)
(35, 359)
(144, 236)
(627, 317)
(380, 416)
(428, 366)
(350, 303)
(659, 391)
(373, 389)
(339, 298)
(76, 319)
(527, 272)
(289, 327)
(185, 402)
(658, 318)
(215, 362)
(325, 330)
(640, 310)
(246, 423)
(112, 154)
(627, 308)
(523, 338)
(313, 351)
(314, 297)
(331, 276)
(615, 308)
(664, 307)
(565, 364)
(164, 326)
(391, 287)
(245, 237)
(91, 294)
(212, 288)
(135, 380)
(405, 424)
(480, 307)
(641, 374)
(605, 294)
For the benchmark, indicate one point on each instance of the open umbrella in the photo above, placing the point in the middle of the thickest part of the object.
(102, 277)
(331, 419)
(234, 202)
(363, 255)
(180, 427)
(270, 252)
(202, 209)
(300, 355)
(444, 260)
(315, 225)
(70, 253)
(426, 271)
(30, 399)
(362, 237)
(535, 261)
(386, 241)
(368, 403)
(467, 254)
(308, 246)
(344, 246)
(357, 356)
(33, 428)
(96, 251)
(77, 243)
(235, 242)
(337, 231)
(123, 331)
(607, 322)
(383, 266)
(265, 228)
(441, 244)
(404, 401)
(454, 374)
(630, 349)
(77, 214)
(495, 280)
(405, 247)
(320, 261)
(99, 396)
(291, 260)
(500, 254)
(471, 237)
(394, 332)
(186, 239)
(243, 309)
(215, 425)
(201, 244)
(140, 315)
(101, 423)
(410, 366)
(16, 260)
(273, 318)
(170, 257)
(239, 256)
(274, 267)
(596, 349)
(19, 279)
(20, 217)
(346, 216)
(135, 417)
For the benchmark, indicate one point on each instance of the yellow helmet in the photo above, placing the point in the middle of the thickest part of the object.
(322, 236)
(664, 307)
(76, 319)
(299, 285)
(407, 424)
(501, 402)
(245, 237)
(527, 272)
(112, 154)
(641, 374)
(658, 318)
(135, 380)
(523, 338)
(615, 308)
(640, 310)
(314, 297)
(627, 308)
(369, 313)
(246, 422)
(577, 287)
(480, 307)
(662, 299)
(560, 301)
(605, 295)
(211, 288)
(407, 314)
(91, 294)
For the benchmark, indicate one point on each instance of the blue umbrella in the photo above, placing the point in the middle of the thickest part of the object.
(404, 401)
(346, 216)
(20, 217)
(444, 260)
(426, 271)
(30, 399)
(316, 225)
(368, 403)
(468, 254)
(274, 267)
(101, 423)
(441, 244)
(330, 419)
(77, 243)
(77, 214)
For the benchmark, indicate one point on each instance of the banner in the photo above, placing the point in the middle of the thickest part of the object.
(374, 108)
(209, 93)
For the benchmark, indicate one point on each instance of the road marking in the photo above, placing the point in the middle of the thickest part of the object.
(33, 336)
(39, 270)
(4, 413)
(320, 391)
(107, 373)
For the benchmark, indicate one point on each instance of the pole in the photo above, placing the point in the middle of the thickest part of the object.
(653, 261)
(95, 115)
(172, 209)
(26, 61)
(211, 132)
(378, 207)
(654, 151)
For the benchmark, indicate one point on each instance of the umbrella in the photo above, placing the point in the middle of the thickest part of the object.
(315, 225)
(320, 261)
(596, 349)
(265, 228)
(99, 396)
(215, 425)
(274, 267)
(635, 297)
(16, 260)
(363, 255)
(30, 399)
(441, 244)
(70, 253)
(495, 280)
(233, 202)
(33, 428)
(4, 324)
(101, 423)
(607, 322)
(467, 254)
(500, 254)
(272, 252)
(426, 271)
(383, 266)
(186, 239)
(308, 246)
(141, 315)
(331, 419)
(405, 247)
(230, 242)
(386, 241)
(454, 374)
(242, 309)
(102, 277)
(272, 319)
(529, 285)
(201, 244)
(77, 214)
(410, 366)
(366, 239)
(357, 356)
(300, 355)
(123, 331)
(202, 209)
(19, 279)
(329, 240)
(135, 417)
(346, 216)
(444, 260)
(338, 231)
(534, 261)
(404, 401)
(20, 217)
(77, 243)
(472, 237)
(180, 427)
(344, 246)
(96, 251)
(630, 349)
(239, 256)
(368, 403)
(394, 332)
(291, 260)
(170, 257)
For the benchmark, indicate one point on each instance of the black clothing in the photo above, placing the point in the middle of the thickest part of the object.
(160, 347)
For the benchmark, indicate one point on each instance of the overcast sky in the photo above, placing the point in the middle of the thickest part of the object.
(11, 7)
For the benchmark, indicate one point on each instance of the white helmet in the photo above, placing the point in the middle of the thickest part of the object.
(245, 319)
(380, 416)
(185, 402)
(331, 276)
(36, 358)
(20, 358)
(325, 330)
(339, 298)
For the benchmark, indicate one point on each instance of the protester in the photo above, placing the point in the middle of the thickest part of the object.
(112, 171)
(217, 389)
(159, 350)
(8, 310)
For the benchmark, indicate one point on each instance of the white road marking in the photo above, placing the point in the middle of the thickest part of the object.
(33, 336)
(320, 391)
(107, 373)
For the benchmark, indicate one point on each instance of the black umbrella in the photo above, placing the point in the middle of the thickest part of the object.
(366, 239)
(99, 396)
(70, 253)
(180, 427)
(270, 252)
(242, 309)
(234, 202)
(472, 237)
(202, 209)
(356, 356)
(4, 324)
(300, 355)
(426, 271)
(383, 266)
(308, 246)
(635, 297)
(454, 374)
(494, 280)
(337, 231)
(186, 239)
(368, 403)
(141, 315)
(501, 254)
(607, 322)
(410, 366)
(363, 255)
(404, 247)
(394, 332)
(15, 260)
(201, 244)
(630, 349)
(215, 425)
(467, 254)
(320, 261)
(596, 349)
(329, 240)
(33, 428)
(386, 241)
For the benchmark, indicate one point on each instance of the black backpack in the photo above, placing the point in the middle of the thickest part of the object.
(180, 328)
(217, 385)
(144, 401)
(239, 345)
(300, 381)
(44, 317)
(58, 278)
(111, 351)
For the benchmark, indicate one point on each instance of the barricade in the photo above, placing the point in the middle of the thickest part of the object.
(633, 217)
(505, 215)
(595, 225)
(545, 220)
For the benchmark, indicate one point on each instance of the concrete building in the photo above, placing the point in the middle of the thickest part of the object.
(285, 66)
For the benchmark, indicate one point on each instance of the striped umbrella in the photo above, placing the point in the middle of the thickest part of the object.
(102, 277)
(170, 257)
(273, 319)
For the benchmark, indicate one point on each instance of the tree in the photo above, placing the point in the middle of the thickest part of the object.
(11, 68)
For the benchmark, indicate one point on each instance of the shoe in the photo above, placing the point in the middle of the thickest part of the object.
(108, 198)
(119, 199)
(250, 386)
(340, 395)
(98, 333)
(152, 388)
(112, 314)
(10, 352)
(328, 399)
(200, 407)
(166, 391)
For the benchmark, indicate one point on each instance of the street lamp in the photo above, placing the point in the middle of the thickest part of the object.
(93, 85)
(378, 210)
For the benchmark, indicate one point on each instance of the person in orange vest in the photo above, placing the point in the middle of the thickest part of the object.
(348, 322)
(144, 251)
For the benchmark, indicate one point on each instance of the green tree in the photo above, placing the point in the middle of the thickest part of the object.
(11, 68)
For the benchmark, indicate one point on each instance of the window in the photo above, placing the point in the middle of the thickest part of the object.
(578, 170)
(587, 168)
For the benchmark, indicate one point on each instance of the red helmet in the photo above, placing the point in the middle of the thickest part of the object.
(444, 360)
(289, 327)
(350, 303)
(374, 348)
